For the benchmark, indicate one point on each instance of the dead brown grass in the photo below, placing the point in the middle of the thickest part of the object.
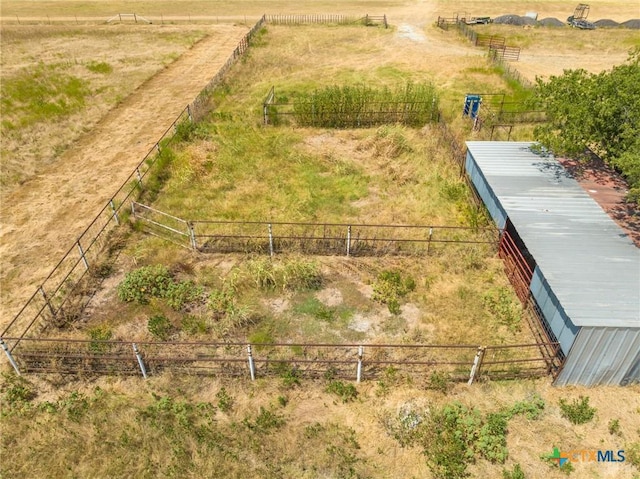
(28, 150)
(439, 57)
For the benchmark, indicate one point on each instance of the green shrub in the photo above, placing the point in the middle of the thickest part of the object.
(17, 392)
(265, 421)
(144, 283)
(160, 327)
(225, 401)
(454, 434)
(346, 392)
(389, 287)
(531, 408)
(194, 325)
(222, 301)
(76, 405)
(614, 427)
(290, 375)
(502, 305)
(632, 452)
(179, 295)
(578, 411)
(492, 439)
(515, 473)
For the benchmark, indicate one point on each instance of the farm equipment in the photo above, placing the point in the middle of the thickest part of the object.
(579, 18)
(477, 20)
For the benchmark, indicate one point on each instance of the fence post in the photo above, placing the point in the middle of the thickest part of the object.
(11, 360)
(115, 212)
(477, 363)
(189, 113)
(139, 175)
(270, 228)
(84, 258)
(140, 362)
(192, 236)
(252, 366)
(429, 242)
(348, 240)
(46, 300)
(359, 370)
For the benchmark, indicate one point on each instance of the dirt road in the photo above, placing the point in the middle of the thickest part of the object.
(41, 219)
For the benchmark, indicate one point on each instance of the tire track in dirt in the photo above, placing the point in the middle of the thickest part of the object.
(40, 220)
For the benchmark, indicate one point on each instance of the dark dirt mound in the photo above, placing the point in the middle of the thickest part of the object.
(635, 24)
(514, 20)
(551, 22)
(606, 23)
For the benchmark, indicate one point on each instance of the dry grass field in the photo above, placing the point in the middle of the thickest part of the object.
(57, 174)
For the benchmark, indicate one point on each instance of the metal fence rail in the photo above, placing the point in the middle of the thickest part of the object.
(325, 19)
(308, 238)
(349, 361)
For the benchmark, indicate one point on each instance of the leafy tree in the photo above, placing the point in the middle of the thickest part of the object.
(596, 111)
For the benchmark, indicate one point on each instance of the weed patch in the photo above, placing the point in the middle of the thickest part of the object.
(346, 392)
(390, 287)
(577, 411)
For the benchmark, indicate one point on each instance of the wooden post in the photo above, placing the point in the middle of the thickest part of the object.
(477, 363)
(359, 369)
(348, 240)
(11, 360)
(252, 366)
(140, 362)
(429, 243)
(189, 113)
(139, 175)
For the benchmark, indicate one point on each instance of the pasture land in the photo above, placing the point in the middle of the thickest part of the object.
(189, 426)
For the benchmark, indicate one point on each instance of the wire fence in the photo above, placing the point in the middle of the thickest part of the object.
(71, 283)
(343, 239)
(68, 288)
(326, 19)
(306, 360)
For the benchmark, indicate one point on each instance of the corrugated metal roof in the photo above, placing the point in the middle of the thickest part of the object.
(590, 263)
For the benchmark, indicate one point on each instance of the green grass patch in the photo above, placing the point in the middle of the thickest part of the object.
(41, 93)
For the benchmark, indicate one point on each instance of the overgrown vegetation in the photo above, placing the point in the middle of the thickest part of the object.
(600, 112)
(364, 106)
(390, 287)
(577, 411)
(454, 435)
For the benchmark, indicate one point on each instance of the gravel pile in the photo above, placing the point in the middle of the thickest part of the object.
(635, 24)
(606, 23)
(514, 20)
(551, 22)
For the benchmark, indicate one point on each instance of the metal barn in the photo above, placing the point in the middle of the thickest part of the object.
(571, 260)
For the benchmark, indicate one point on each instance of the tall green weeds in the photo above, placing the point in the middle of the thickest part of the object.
(364, 106)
